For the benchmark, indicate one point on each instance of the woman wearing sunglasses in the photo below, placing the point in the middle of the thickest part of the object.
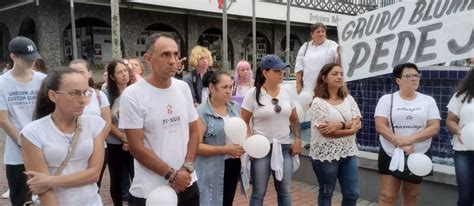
(63, 149)
(272, 109)
(334, 124)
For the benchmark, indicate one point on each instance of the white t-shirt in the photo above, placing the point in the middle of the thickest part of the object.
(93, 108)
(44, 134)
(465, 113)
(316, 57)
(19, 99)
(409, 117)
(164, 115)
(265, 121)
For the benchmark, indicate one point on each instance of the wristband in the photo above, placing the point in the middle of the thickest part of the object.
(168, 174)
(174, 178)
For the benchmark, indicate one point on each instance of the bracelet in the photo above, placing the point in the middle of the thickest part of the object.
(174, 178)
(168, 174)
(343, 125)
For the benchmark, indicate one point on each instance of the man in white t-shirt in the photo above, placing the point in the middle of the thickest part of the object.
(18, 90)
(160, 122)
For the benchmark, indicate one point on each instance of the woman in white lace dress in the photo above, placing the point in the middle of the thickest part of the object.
(335, 122)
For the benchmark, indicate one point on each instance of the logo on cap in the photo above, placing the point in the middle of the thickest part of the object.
(30, 48)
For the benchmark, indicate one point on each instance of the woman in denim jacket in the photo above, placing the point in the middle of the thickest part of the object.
(218, 164)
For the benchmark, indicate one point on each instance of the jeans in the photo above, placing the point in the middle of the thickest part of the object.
(346, 171)
(464, 167)
(260, 172)
(19, 191)
(190, 197)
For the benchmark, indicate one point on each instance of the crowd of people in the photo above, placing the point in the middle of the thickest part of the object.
(160, 130)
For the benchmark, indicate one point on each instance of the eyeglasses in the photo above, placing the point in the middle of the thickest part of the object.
(76, 93)
(277, 107)
(412, 76)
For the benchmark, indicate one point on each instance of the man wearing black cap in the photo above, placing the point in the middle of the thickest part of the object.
(18, 89)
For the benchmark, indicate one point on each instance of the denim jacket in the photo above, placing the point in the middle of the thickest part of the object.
(210, 169)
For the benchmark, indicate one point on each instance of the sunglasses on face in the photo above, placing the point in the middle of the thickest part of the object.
(277, 107)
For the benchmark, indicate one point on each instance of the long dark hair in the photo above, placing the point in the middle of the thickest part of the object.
(321, 88)
(259, 81)
(466, 86)
(113, 91)
(44, 105)
(212, 77)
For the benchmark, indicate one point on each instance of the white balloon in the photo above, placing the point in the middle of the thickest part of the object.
(467, 135)
(162, 195)
(305, 98)
(257, 146)
(236, 129)
(300, 112)
(419, 164)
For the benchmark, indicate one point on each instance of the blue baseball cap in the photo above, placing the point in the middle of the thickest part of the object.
(272, 61)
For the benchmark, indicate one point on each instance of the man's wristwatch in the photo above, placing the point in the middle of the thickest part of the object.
(189, 166)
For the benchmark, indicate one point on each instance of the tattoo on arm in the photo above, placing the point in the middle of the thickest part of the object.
(295, 127)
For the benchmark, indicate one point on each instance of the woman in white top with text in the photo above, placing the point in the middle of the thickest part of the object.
(272, 111)
(334, 124)
(63, 150)
(406, 121)
(461, 110)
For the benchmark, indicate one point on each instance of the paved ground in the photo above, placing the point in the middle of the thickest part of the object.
(302, 193)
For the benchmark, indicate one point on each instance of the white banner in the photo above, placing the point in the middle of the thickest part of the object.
(423, 32)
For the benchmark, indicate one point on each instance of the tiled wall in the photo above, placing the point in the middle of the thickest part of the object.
(438, 84)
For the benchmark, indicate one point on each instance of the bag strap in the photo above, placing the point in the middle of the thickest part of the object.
(306, 49)
(391, 106)
(74, 141)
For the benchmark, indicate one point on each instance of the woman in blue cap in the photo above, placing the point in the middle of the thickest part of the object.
(271, 109)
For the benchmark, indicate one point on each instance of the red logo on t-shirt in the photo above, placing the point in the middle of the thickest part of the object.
(169, 109)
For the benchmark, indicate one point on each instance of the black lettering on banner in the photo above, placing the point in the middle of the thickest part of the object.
(398, 16)
(361, 23)
(353, 65)
(380, 52)
(402, 38)
(454, 47)
(384, 22)
(427, 15)
(455, 4)
(425, 42)
(417, 13)
(440, 12)
(347, 34)
(368, 30)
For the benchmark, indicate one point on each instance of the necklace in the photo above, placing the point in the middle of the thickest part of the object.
(62, 131)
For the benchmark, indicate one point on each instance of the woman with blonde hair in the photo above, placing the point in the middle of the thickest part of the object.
(201, 60)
